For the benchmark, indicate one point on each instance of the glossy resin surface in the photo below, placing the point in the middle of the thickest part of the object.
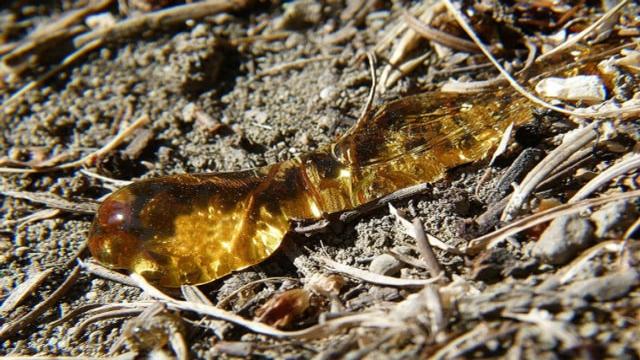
(195, 228)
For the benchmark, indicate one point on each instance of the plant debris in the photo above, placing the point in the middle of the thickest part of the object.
(532, 254)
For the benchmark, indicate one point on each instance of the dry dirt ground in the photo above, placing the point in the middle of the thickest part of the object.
(217, 105)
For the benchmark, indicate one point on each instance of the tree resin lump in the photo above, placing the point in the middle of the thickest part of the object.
(196, 228)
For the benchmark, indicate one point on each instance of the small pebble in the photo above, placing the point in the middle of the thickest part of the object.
(200, 30)
(102, 20)
(562, 239)
(588, 330)
(330, 93)
(325, 122)
(587, 88)
(91, 295)
(298, 14)
(385, 264)
(189, 112)
(20, 251)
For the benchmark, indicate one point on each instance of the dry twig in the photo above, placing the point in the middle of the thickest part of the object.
(89, 158)
(53, 201)
(620, 168)
(438, 36)
(94, 268)
(429, 257)
(410, 230)
(22, 291)
(375, 278)
(570, 145)
(107, 315)
(70, 59)
(46, 36)
(12, 327)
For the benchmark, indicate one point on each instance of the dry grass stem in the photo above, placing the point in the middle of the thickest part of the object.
(131, 355)
(409, 229)
(374, 278)
(438, 36)
(80, 310)
(432, 297)
(570, 145)
(439, 319)
(116, 182)
(401, 26)
(410, 260)
(82, 326)
(31, 218)
(38, 216)
(406, 68)
(14, 326)
(480, 243)
(366, 110)
(470, 87)
(46, 36)
(572, 40)
(569, 166)
(455, 70)
(632, 229)
(90, 158)
(531, 56)
(53, 201)
(70, 59)
(502, 146)
(193, 294)
(428, 256)
(23, 56)
(159, 20)
(110, 146)
(631, 163)
(96, 309)
(407, 42)
(94, 268)
(24, 290)
(405, 193)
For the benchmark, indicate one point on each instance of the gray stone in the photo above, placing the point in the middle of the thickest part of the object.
(611, 216)
(605, 288)
(562, 239)
(385, 264)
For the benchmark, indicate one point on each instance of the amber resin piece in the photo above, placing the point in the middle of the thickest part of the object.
(196, 228)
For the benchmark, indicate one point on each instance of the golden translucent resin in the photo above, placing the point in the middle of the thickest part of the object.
(196, 228)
